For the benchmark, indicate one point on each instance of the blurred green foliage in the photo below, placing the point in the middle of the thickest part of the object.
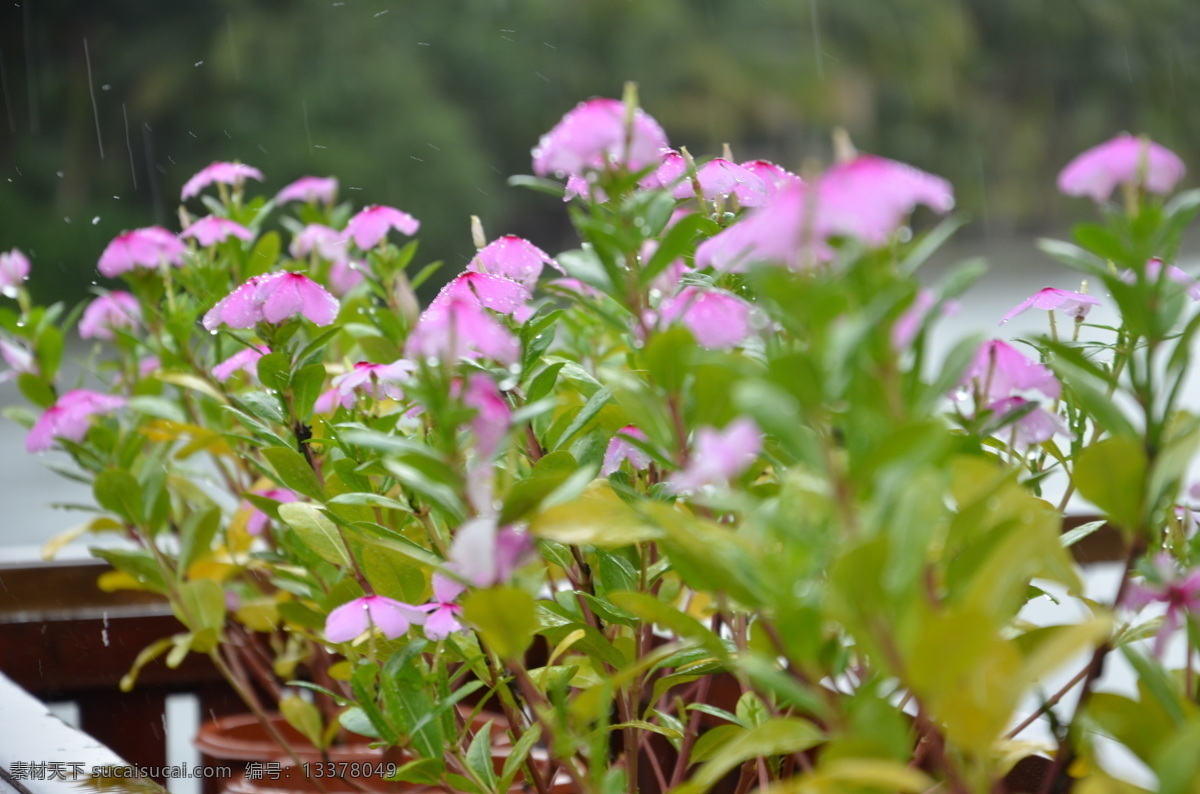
(430, 104)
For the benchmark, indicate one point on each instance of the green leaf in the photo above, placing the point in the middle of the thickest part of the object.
(516, 758)
(505, 617)
(652, 610)
(585, 415)
(1071, 537)
(479, 758)
(36, 390)
(1112, 475)
(273, 370)
(781, 736)
(293, 471)
(304, 717)
(598, 517)
(144, 657)
(423, 771)
(201, 607)
(118, 492)
(306, 388)
(669, 357)
(316, 531)
(548, 474)
(196, 536)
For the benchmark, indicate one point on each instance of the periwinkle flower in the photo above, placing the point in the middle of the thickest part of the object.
(1154, 270)
(245, 360)
(784, 231)
(774, 177)
(514, 258)
(212, 229)
(1124, 160)
(110, 312)
(492, 413)
(390, 616)
(461, 328)
(620, 450)
(717, 319)
(219, 173)
(868, 197)
(1074, 304)
(257, 521)
(141, 248)
(441, 614)
(309, 189)
(329, 243)
(498, 293)
(69, 418)
(719, 455)
(592, 136)
(19, 358)
(273, 298)
(372, 224)
(14, 269)
(720, 178)
(999, 371)
(484, 554)
(1181, 594)
(1032, 427)
(379, 381)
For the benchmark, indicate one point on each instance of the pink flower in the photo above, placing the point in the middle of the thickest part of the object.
(782, 231)
(1032, 428)
(869, 197)
(213, 229)
(310, 189)
(461, 328)
(371, 225)
(671, 173)
(1125, 160)
(442, 613)
(497, 293)
(715, 317)
(19, 358)
(380, 381)
(492, 414)
(514, 258)
(148, 248)
(999, 371)
(69, 418)
(575, 286)
(245, 360)
(1154, 269)
(774, 178)
(593, 136)
(719, 455)
(222, 173)
(330, 244)
(621, 450)
(485, 555)
(345, 275)
(273, 298)
(1164, 584)
(110, 312)
(908, 324)
(1074, 304)
(14, 269)
(720, 178)
(257, 521)
(353, 618)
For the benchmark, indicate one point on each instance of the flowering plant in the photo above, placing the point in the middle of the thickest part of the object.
(690, 501)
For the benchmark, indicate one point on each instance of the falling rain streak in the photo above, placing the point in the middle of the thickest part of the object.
(87, 56)
(129, 146)
(8, 111)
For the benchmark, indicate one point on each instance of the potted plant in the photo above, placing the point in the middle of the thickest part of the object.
(759, 536)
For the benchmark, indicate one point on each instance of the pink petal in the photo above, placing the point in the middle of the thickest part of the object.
(869, 197)
(490, 423)
(311, 189)
(219, 172)
(347, 621)
(719, 455)
(390, 616)
(497, 293)
(290, 294)
(620, 450)
(14, 269)
(592, 136)
(458, 328)
(445, 589)
(514, 258)
(371, 225)
(443, 622)
(1122, 160)
(245, 360)
(115, 310)
(1075, 304)
(716, 318)
(1006, 371)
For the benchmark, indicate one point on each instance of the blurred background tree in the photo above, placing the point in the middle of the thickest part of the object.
(430, 104)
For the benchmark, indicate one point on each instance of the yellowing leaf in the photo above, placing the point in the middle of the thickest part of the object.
(598, 517)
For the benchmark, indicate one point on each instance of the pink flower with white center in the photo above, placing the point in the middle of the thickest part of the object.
(869, 197)
(492, 414)
(715, 317)
(484, 555)
(329, 243)
(999, 371)
(221, 173)
(620, 450)
(69, 418)
(309, 189)
(351, 619)
(380, 381)
(720, 178)
(19, 358)
(1124, 160)
(1154, 268)
(1032, 428)
(774, 178)
(497, 293)
(273, 298)
(1164, 584)
(1074, 304)
(257, 521)
(719, 455)
(245, 360)
(514, 258)
(441, 618)
(783, 231)
(461, 328)
(592, 136)
(213, 229)
(371, 225)
(14, 269)
(113, 311)
(144, 248)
